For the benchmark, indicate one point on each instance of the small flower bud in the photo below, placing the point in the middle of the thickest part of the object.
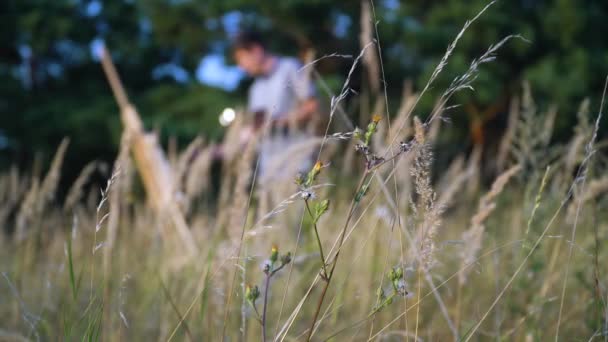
(252, 293)
(391, 275)
(376, 118)
(299, 178)
(399, 272)
(312, 174)
(307, 194)
(286, 258)
(321, 208)
(401, 288)
(274, 254)
(266, 266)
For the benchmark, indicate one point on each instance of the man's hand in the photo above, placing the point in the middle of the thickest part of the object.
(246, 135)
(303, 113)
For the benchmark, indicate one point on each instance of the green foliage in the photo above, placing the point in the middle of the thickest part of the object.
(60, 90)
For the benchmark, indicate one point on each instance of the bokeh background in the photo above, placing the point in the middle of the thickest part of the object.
(174, 59)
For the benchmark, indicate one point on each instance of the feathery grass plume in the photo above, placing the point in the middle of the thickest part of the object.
(40, 194)
(596, 188)
(474, 235)
(117, 202)
(435, 125)
(580, 181)
(465, 81)
(548, 124)
(574, 152)
(76, 190)
(506, 142)
(238, 208)
(13, 188)
(232, 145)
(453, 180)
(401, 122)
(531, 139)
(455, 168)
(184, 162)
(226, 190)
(538, 199)
(427, 212)
(199, 175)
(474, 170)
(116, 197)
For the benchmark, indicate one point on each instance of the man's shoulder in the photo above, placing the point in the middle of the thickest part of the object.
(289, 63)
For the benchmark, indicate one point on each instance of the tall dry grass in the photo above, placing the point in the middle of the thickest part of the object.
(408, 252)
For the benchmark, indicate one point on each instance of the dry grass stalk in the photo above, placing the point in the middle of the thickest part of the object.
(474, 235)
(153, 166)
(370, 59)
(184, 162)
(504, 148)
(574, 152)
(401, 122)
(238, 209)
(425, 208)
(15, 188)
(40, 194)
(198, 177)
(453, 181)
(76, 190)
(594, 189)
(118, 192)
(474, 170)
(231, 144)
(435, 123)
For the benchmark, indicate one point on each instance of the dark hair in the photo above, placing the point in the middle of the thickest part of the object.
(248, 39)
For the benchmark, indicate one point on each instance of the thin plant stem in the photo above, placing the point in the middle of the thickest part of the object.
(265, 306)
(323, 261)
(335, 260)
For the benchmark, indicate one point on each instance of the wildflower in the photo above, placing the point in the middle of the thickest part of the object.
(376, 118)
(274, 254)
(362, 149)
(307, 194)
(318, 166)
(374, 161)
(404, 147)
(401, 288)
(312, 174)
(419, 131)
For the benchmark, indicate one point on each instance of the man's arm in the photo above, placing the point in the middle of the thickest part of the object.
(303, 112)
(305, 93)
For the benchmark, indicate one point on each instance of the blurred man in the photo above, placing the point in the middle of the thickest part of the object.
(282, 100)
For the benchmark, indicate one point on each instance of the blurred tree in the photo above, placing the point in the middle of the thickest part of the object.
(52, 86)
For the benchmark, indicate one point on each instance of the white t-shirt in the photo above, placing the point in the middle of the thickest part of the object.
(276, 94)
